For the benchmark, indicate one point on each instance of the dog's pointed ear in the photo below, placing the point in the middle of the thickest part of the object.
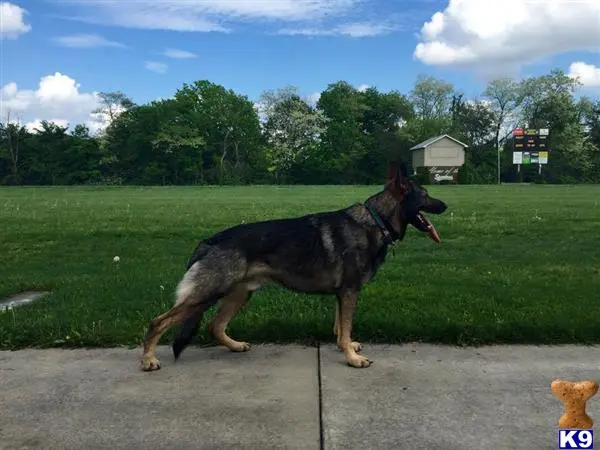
(392, 171)
(397, 172)
(403, 170)
(397, 178)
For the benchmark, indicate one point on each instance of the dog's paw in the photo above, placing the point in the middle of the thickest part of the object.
(359, 361)
(239, 347)
(150, 363)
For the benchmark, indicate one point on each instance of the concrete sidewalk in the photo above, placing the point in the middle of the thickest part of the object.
(412, 397)
(437, 397)
(267, 398)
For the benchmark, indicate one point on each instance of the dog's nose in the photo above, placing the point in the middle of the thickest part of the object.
(443, 207)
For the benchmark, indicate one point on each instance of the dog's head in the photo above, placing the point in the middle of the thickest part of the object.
(412, 201)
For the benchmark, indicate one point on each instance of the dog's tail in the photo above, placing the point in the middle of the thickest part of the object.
(185, 333)
(189, 327)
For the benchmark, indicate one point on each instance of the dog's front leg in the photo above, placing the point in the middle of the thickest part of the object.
(336, 328)
(347, 303)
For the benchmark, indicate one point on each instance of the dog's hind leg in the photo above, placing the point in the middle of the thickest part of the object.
(199, 289)
(159, 325)
(202, 285)
(228, 307)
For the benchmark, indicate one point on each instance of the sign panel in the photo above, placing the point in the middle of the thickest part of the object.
(535, 158)
(531, 146)
(438, 174)
(517, 157)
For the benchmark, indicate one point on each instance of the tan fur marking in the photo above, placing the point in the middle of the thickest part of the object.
(258, 270)
(336, 331)
(348, 305)
(228, 307)
(327, 240)
(336, 323)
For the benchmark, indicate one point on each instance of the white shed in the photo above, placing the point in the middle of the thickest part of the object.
(439, 151)
(442, 156)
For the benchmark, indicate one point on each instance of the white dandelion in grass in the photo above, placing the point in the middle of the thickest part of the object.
(116, 259)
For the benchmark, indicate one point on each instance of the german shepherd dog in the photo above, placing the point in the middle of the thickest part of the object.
(333, 252)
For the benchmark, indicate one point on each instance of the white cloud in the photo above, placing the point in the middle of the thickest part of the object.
(508, 32)
(205, 15)
(313, 99)
(261, 110)
(362, 87)
(86, 41)
(12, 21)
(365, 29)
(355, 30)
(57, 98)
(178, 54)
(35, 125)
(588, 74)
(155, 66)
(480, 101)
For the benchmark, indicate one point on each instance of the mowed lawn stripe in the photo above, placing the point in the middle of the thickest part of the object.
(518, 264)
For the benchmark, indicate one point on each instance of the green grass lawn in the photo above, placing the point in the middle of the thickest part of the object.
(518, 264)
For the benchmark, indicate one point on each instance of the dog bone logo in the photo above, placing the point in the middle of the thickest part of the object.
(574, 397)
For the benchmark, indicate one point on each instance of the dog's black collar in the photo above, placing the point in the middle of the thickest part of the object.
(388, 236)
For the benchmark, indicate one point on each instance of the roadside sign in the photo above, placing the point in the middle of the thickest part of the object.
(530, 147)
(517, 157)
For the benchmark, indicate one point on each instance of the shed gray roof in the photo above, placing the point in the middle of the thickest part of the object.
(432, 140)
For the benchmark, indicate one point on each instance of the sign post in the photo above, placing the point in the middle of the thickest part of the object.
(518, 160)
(498, 154)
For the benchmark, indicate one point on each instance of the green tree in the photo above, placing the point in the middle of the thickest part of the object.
(112, 104)
(383, 116)
(504, 98)
(12, 137)
(51, 143)
(474, 123)
(548, 101)
(431, 98)
(230, 128)
(292, 129)
(181, 144)
(344, 143)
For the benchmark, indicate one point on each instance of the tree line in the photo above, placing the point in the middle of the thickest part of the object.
(207, 134)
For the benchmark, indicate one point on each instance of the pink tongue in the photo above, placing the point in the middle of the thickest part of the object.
(433, 234)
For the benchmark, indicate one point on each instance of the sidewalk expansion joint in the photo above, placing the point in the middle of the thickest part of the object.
(321, 431)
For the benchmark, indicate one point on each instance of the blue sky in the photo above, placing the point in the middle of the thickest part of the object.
(250, 46)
